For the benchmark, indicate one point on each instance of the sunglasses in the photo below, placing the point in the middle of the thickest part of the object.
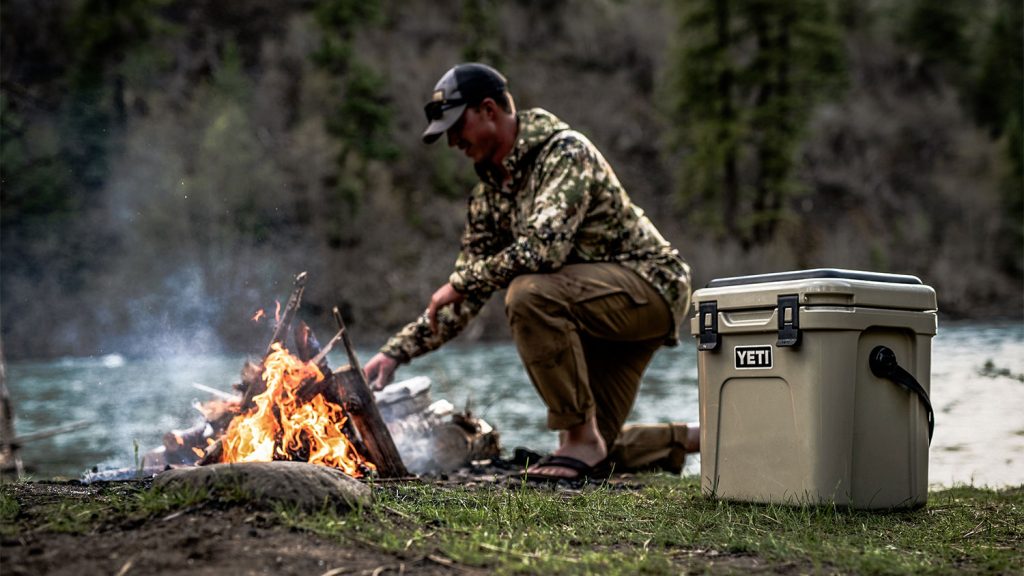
(435, 110)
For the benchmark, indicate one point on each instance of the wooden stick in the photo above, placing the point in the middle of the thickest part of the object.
(353, 361)
(17, 441)
(323, 353)
(10, 458)
(213, 453)
(289, 311)
(363, 410)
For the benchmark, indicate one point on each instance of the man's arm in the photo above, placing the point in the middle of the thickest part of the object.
(567, 175)
(449, 311)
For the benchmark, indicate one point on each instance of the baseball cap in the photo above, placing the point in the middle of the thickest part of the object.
(463, 85)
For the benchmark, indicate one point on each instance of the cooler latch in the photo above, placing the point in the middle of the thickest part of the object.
(789, 320)
(707, 319)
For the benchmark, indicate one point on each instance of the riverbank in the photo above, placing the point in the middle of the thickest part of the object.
(649, 524)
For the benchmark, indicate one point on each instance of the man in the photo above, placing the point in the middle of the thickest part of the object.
(592, 287)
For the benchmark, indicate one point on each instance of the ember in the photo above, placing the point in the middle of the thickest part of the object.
(284, 426)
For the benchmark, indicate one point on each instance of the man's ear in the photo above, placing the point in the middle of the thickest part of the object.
(490, 107)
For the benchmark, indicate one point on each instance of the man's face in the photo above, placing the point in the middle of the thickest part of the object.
(475, 134)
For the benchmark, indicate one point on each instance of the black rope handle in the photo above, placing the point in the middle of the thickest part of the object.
(883, 365)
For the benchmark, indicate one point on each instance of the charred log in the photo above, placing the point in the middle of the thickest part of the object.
(289, 312)
(373, 432)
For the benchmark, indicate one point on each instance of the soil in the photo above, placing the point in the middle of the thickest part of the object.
(219, 539)
(212, 540)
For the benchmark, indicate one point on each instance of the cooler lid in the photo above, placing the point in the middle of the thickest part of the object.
(815, 273)
(820, 287)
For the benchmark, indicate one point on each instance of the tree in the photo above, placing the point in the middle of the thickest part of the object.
(997, 102)
(749, 73)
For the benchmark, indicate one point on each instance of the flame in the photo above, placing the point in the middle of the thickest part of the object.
(258, 315)
(277, 312)
(284, 427)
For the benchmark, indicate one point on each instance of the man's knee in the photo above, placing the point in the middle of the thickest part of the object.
(528, 292)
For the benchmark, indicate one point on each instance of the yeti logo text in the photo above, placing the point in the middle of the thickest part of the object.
(751, 357)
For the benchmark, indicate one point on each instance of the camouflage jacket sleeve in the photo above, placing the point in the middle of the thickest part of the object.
(565, 175)
(417, 339)
(478, 239)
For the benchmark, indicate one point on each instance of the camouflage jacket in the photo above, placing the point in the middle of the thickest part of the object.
(562, 205)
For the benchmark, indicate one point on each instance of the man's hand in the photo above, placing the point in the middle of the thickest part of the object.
(380, 371)
(445, 295)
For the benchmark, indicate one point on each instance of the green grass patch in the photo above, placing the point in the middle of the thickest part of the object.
(77, 514)
(668, 525)
(663, 526)
(9, 509)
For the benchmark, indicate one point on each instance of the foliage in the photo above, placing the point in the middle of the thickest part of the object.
(361, 118)
(998, 104)
(168, 166)
(480, 27)
(748, 75)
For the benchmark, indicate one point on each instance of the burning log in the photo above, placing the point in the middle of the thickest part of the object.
(308, 349)
(373, 432)
(363, 409)
(252, 384)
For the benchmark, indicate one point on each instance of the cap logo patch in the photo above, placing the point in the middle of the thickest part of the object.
(438, 96)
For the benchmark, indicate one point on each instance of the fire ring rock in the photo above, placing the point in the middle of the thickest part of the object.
(308, 486)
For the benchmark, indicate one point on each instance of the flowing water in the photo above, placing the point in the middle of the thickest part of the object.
(977, 389)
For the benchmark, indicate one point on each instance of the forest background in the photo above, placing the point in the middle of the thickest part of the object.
(168, 166)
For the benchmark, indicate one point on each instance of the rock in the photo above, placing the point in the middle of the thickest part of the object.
(308, 486)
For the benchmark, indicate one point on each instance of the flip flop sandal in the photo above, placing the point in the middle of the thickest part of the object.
(584, 471)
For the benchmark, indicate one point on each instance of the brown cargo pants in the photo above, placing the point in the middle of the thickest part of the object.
(652, 447)
(585, 334)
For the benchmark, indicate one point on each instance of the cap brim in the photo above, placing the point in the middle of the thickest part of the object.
(438, 127)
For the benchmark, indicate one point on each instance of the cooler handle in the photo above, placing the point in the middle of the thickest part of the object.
(883, 365)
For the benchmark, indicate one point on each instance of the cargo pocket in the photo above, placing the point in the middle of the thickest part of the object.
(612, 313)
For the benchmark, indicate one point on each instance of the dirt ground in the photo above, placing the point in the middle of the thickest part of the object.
(205, 541)
(219, 539)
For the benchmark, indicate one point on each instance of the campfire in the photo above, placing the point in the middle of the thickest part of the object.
(293, 407)
(285, 426)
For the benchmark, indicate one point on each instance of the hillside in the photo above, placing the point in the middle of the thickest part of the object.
(169, 165)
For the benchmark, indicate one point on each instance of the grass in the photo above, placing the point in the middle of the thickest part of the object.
(663, 526)
(77, 515)
(667, 524)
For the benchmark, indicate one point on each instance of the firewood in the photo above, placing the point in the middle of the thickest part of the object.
(372, 430)
(252, 384)
(289, 311)
(361, 406)
(307, 349)
(213, 454)
(307, 346)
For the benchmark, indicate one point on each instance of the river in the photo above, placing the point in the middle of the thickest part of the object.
(977, 389)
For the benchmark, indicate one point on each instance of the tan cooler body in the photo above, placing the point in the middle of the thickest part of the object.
(814, 387)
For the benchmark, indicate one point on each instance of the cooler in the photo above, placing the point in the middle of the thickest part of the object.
(814, 387)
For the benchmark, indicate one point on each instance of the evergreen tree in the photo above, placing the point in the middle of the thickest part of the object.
(362, 118)
(479, 25)
(747, 77)
(997, 101)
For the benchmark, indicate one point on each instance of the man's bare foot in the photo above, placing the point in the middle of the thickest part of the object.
(583, 443)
